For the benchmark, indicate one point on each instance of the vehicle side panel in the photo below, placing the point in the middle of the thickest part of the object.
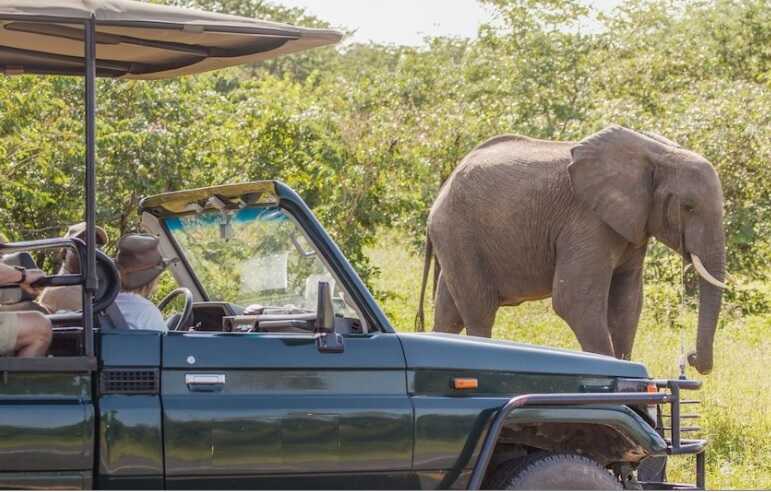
(46, 423)
(130, 443)
(130, 348)
(65, 480)
(285, 410)
(268, 352)
(448, 435)
(450, 424)
(130, 433)
(327, 481)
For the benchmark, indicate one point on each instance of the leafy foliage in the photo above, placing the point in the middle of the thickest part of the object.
(367, 133)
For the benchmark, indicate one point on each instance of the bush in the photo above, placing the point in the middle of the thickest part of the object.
(368, 133)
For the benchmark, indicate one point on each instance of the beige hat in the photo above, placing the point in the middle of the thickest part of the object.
(139, 260)
(79, 231)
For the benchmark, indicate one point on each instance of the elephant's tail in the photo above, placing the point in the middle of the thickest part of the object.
(420, 318)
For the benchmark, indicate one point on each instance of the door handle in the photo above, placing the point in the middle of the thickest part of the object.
(205, 382)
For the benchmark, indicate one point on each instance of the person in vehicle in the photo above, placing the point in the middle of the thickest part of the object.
(23, 333)
(70, 298)
(140, 264)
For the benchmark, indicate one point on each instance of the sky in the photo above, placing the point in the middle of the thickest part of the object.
(406, 22)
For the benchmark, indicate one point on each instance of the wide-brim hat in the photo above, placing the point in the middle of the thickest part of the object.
(79, 231)
(139, 260)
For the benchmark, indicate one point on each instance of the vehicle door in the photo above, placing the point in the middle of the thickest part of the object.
(46, 423)
(273, 412)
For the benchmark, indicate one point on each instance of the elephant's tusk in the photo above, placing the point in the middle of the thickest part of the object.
(699, 266)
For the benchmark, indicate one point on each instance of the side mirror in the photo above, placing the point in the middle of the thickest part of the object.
(327, 340)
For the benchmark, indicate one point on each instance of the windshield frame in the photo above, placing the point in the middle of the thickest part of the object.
(318, 251)
(287, 199)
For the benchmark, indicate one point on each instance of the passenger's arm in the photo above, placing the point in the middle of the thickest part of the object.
(11, 275)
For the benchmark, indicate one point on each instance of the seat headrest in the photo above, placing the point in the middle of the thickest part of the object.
(22, 259)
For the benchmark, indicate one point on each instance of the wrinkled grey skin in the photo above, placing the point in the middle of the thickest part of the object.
(523, 219)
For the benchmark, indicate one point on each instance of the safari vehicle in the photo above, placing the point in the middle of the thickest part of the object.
(280, 370)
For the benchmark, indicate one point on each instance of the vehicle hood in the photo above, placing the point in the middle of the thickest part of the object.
(456, 352)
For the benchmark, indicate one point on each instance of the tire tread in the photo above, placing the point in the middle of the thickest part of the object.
(518, 474)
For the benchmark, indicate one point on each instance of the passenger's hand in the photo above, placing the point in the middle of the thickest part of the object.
(33, 275)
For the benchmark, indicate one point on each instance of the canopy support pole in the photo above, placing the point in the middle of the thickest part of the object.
(91, 282)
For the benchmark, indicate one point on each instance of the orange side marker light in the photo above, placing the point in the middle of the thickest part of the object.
(465, 383)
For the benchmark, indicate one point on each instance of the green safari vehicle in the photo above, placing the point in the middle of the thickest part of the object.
(279, 369)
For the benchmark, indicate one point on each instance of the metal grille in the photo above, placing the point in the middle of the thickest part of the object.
(129, 381)
(689, 422)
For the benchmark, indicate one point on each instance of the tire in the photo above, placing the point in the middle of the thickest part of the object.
(502, 475)
(653, 469)
(545, 471)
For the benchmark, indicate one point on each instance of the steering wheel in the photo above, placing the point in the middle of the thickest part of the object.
(179, 321)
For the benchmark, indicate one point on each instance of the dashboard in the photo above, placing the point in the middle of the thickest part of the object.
(229, 318)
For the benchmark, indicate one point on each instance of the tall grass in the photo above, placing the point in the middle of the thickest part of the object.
(736, 397)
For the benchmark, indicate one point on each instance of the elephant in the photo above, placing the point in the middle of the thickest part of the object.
(524, 219)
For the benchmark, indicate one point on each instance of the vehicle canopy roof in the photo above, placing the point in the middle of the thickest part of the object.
(136, 40)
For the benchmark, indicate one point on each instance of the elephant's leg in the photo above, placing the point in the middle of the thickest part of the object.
(580, 297)
(446, 316)
(465, 275)
(624, 307)
(482, 320)
(477, 303)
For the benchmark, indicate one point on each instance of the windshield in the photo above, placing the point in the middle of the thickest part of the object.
(256, 255)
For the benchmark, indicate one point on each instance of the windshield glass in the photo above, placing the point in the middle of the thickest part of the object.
(256, 255)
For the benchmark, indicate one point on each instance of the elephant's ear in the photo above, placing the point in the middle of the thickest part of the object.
(612, 175)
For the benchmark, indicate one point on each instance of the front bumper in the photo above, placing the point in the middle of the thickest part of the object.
(676, 445)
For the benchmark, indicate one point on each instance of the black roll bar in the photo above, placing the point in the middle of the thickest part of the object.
(522, 401)
(108, 270)
(59, 280)
(37, 245)
(677, 446)
(91, 283)
(53, 364)
(88, 260)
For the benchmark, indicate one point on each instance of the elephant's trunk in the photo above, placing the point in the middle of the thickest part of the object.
(710, 298)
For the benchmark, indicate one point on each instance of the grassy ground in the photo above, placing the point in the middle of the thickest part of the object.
(736, 396)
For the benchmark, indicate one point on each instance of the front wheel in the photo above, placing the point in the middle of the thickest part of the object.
(554, 472)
